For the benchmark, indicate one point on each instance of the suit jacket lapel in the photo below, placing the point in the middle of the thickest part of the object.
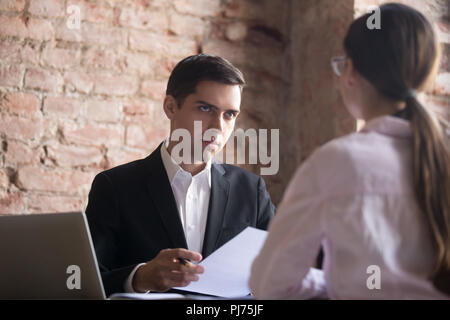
(162, 195)
(217, 207)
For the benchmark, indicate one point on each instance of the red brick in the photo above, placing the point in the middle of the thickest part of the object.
(186, 25)
(159, 45)
(12, 26)
(159, 116)
(12, 5)
(51, 125)
(442, 85)
(11, 203)
(38, 29)
(21, 103)
(98, 11)
(445, 60)
(47, 8)
(101, 58)
(154, 89)
(261, 58)
(29, 53)
(443, 31)
(61, 58)
(12, 52)
(21, 128)
(43, 79)
(62, 106)
(93, 135)
(9, 49)
(19, 153)
(38, 178)
(75, 156)
(144, 19)
(104, 35)
(79, 81)
(4, 179)
(437, 102)
(150, 4)
(244, 10)
(139, 62)
(95, 34)
(62, 32)
(145, 137)
(118, 156)
(201, 8)
(103, 110)
(164, 67)
(156, 117)
(11, 75)
(38, 203)
(136, 106)
(236, 31)
(117, 85)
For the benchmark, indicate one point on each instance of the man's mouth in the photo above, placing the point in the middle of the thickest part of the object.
(213, 143)
(210, 143)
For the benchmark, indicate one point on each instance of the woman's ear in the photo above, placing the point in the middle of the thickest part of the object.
(349, 75)
(170, 106)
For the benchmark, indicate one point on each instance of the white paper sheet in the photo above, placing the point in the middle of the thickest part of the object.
(147, 296)
(227, 270)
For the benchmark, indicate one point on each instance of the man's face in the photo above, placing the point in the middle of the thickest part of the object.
(216, 105)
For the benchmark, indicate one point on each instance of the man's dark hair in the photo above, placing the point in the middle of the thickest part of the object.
(201, 67)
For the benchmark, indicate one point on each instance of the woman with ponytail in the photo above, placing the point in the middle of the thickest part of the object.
(378, 200)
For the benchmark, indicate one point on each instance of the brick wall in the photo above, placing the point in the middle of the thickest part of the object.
(74, 102)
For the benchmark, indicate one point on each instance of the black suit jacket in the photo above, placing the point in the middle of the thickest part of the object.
(132, 214)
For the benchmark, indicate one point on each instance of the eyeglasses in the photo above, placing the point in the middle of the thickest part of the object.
(338, 64)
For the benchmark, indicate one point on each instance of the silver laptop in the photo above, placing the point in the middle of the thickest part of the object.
(48, 256)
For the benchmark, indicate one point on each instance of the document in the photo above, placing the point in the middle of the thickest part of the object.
(227, 270)
(146, 296)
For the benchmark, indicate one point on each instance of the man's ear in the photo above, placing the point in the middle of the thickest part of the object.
(170, 106)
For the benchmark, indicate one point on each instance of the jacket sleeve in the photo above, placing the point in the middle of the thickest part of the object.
(104, 221)
(266, 209)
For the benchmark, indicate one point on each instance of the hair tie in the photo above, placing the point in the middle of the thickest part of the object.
(410, 94)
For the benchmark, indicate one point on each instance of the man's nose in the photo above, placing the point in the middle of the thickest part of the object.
(217, 122)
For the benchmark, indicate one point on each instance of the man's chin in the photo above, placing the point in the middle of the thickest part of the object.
(208, 153)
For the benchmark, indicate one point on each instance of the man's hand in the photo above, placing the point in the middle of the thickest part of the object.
(166, 271)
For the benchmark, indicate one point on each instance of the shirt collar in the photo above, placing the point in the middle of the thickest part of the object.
(390, 126)
(173, 169)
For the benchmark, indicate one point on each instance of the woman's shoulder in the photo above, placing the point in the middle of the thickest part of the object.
(340, 149)
(360, 159)
(360, 146)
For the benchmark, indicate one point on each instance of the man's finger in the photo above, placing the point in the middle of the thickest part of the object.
(185, 254)
(183, 265)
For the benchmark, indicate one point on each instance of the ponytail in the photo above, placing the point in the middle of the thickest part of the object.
(431, 163)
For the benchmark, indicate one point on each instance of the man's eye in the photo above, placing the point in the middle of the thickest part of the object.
(205, 108)
(230, 115)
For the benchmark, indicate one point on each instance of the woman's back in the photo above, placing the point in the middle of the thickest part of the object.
(371, 217)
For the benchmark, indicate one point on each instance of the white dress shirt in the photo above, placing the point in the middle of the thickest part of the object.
(192, 198)
(354, 196)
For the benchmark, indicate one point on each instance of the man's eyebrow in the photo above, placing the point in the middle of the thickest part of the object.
(213, 106)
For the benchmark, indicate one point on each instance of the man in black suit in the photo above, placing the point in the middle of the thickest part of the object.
(148, 215)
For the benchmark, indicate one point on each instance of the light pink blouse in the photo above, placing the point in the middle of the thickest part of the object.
(354, 196)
